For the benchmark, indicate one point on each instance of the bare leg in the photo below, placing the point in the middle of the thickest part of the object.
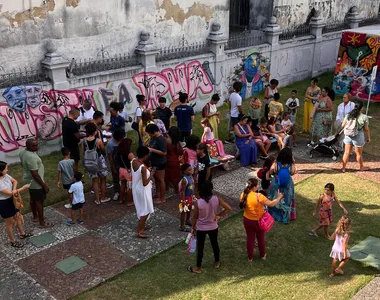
(129, 197)
(333, 264)
(159, 176)
(262, 148)
(81, 214)
(326, 231)
(9, 228)
(122, 191)
(141, 225)
(102, 187)
(342, 263)
(314, 230)
(359, 157)
(346, 155)
(182, 224)
(33, 207)
(75, 167)
(40, 212)
(95, 186)
(72, 216)
(267, 145)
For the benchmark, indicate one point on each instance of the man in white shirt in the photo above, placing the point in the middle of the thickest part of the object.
(235, 103)
(343, 110)
(86, 113)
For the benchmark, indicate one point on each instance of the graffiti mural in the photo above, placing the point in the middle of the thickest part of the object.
(358, 54)
(189, 78)
(253, 72)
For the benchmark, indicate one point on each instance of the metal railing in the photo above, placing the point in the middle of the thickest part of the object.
(333, 27)
(100, 65)
(370, 21)
(22, 77)
(245, 39)
(168, 53)
(303, 30)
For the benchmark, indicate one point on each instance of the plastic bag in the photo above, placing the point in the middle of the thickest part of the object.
(192, 245)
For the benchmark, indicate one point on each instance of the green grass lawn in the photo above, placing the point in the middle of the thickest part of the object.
(297, 266)
(50, 161)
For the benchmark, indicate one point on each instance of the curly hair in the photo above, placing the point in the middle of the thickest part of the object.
(343, 226)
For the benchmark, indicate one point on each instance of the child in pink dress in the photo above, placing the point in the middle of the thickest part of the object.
(339, 250)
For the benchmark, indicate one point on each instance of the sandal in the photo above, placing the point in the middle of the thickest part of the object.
(148, 227)
(159, 201)
(25, 235)
(130, 204)
(313, 234)
(217, 265)
(264, 257)
(47, 225)
(97, 202)
(17, 244)
(34, 220)
(141, 235)
(191, 270)
(339, 271)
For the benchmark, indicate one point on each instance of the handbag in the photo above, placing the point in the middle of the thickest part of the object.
(192, 245)
(135, 126)
(266, 222)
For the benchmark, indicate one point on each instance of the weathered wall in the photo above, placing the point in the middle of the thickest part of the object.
(260, 13)
(81, 27)
(291, 13)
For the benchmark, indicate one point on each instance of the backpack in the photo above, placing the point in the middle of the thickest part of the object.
(351, 128)
(283, 175)
(90, 158)
(82, 110)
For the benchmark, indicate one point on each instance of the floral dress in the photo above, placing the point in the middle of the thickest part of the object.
(319, 128)
(325, 212)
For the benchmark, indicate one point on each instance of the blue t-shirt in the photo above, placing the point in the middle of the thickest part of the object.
(183, 114)
(117, 122)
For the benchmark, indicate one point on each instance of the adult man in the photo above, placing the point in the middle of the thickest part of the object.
(71, 135)
(34, 174)
(86, 113)
(116, 121)
(343, 110)
(235, 104)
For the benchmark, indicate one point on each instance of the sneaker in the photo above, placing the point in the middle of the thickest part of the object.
(69, 223)
(68, 205)
(109, 185)
(105, 200)
(80, 222)
(115, 197)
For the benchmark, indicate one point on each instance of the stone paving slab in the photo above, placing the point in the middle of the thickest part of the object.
(61, 232)
(164, 234)
(103, 261)
(16, 284)
(367, 251)
(370, 292)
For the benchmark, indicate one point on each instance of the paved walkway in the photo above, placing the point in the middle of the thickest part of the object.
(106, 245)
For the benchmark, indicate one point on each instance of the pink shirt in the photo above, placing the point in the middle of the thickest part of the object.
(209, 135)
(207, 212)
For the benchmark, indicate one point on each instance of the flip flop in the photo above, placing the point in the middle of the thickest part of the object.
(190, 269)
(26, 235)
(217, 265)
(17, 244)
(337, 271)
(141, 235)
(313, 234)
(47, 225)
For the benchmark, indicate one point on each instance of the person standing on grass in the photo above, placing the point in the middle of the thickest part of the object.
(164, 113)
(34, 172)
(8, 211)
(184, 114)
(235, 104)
(158, 150)
(325, 202)
(77, 199)
(253, 204)
(312, 95)
(276, 109)
(293, 104)
(269, 92)
(142, 189)
(174, 151)
(116, 121)
(65, 172)
(205, 222)
(71, 135)
(210, 112)
(339, 251)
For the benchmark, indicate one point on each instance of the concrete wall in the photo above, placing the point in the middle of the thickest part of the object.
(81, 27)
(260, 13)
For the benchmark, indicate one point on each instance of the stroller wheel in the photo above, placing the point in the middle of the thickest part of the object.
(334, 158)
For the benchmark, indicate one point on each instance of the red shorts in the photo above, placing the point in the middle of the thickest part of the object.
(188, 202)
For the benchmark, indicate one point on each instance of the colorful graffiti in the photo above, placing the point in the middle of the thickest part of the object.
(253, 71)
(188, 78)
(358, 54)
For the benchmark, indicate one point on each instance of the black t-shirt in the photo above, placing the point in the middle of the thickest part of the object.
(264, 182)
(69, 129)
(164, 115)
(158, 143)
(203, 164)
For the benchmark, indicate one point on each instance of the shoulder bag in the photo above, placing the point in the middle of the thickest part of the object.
(266, 222)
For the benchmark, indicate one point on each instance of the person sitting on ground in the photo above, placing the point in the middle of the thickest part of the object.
(245, 142)
(65, 172)
(77, 199)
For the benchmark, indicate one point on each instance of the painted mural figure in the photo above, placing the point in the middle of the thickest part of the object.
(33, 93)
(16, 98)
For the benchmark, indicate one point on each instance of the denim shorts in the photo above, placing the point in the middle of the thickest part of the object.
(357, 140)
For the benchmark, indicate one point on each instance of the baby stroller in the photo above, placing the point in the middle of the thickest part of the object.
(326, 147)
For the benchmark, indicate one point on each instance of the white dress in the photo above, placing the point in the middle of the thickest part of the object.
(337, 249)
(142, 195)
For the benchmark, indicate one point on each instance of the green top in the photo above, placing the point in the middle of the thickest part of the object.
(254, 113)
(30, 161)
(362, 121)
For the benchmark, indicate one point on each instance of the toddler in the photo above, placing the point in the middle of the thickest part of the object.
(288, 127)
(325, 203)
(65, 172)
(263, 174)
(77, 199)
(293, 104)
(186, 191)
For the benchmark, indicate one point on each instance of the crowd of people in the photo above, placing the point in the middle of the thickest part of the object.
(173, 156)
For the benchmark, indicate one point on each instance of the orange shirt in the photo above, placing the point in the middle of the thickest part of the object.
(254, 210)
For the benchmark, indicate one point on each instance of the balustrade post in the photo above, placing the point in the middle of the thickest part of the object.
(146, 52)
(316, 26)
(273, 31)
(353, 17)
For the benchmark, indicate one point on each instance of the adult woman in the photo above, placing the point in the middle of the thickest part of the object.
(138, 115)
(245, 142)
(157, 148)
(283, 169)
(8, 211)
(210, 112)
(311, 96)
(146, 119)
(269, 92)
(205, 221)
(142, 189)
(358, 141)
(322, 119)
(253, 204)
(98, 177)
(174, 151)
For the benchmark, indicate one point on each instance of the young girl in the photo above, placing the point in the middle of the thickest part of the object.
(190, 153)
(325, 203)
(278, 134)
(339, 250)
(208, 135)
(288, 127)
(186, 191)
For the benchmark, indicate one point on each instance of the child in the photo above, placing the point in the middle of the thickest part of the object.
(190, 153)
(77, 199)
(288, 127)
(293, 104)
(164, 113)
(204, 170)
(65, 172)
(325, 203)
(263, 174)
(278, 134)
(208, 135)
(339, 250)
(184, 114)
(255, 110)
(186, 191)
(275, 107)
(261, 140)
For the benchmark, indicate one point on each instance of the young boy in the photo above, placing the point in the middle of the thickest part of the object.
(164, 113)
(288, 127)
(255, 110)
(275, 107)
(116, 121)
(77, 199)
(186, 192)
(65, 172)
(204, 169)
(293, 104)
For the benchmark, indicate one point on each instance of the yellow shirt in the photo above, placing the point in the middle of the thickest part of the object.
(253, 210)
(144, 136)
(275, 109)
